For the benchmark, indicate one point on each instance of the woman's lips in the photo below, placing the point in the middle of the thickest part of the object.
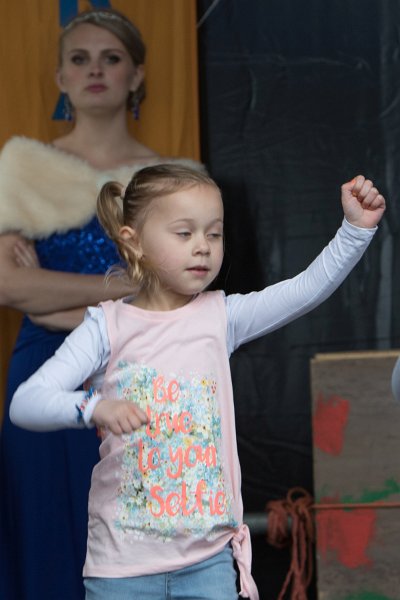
(96, 88)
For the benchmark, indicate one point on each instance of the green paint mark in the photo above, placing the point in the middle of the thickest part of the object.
(390, 487)
(367, 596)
(323, 493)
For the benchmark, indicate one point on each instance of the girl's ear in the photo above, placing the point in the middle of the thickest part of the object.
(131, 237)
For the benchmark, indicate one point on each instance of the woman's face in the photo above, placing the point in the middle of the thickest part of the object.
(97, 71)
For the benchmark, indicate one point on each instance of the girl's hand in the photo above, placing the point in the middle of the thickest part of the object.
(362, 203)
(25, 254)
(118, 416)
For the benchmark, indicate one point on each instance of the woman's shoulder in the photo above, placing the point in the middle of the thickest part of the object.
(20, 145)
(46, 189)
(17, 141)
(43, 189)
(29, 153)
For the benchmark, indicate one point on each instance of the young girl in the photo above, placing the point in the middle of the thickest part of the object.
(165, 503)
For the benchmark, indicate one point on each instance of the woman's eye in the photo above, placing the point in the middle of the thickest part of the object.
(215, 236)
(113, 59)
(184, 234)
(77, 59)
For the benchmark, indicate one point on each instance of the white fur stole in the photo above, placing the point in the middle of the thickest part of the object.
(44, 190)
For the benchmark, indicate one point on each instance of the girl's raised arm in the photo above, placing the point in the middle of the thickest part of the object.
(253, 315)
(256, 314)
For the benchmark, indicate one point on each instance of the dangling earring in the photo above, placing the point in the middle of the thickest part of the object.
(135, 105)
(67, 108)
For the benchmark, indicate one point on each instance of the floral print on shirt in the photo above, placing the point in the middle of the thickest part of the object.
(172, 479)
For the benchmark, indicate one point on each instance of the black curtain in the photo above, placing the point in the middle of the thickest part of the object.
(297, 98)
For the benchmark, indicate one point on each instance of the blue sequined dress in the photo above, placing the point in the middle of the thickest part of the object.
(45, 477)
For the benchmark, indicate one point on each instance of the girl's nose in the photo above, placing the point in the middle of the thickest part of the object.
(202, 246)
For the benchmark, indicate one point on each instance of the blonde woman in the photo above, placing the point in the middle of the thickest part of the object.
(48, 196)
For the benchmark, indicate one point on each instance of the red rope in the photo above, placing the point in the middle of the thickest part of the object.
(296, 507)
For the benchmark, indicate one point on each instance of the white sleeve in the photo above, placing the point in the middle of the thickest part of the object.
(47, 401)
(252, 315)
(396, 380)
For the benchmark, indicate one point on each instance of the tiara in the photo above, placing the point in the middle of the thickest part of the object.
(100, 16)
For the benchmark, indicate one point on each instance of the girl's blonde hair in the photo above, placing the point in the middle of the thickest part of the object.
(116, 208)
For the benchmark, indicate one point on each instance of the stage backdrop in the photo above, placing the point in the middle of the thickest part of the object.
(28, 59)
(296, 98)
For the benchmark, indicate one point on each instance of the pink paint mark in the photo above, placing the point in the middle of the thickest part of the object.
(347, 533)
(329, 422)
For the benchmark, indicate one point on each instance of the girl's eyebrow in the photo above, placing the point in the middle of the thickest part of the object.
(190, 220)
(191, 223)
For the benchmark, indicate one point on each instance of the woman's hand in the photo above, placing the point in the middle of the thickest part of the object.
(362, 203)
(119, 416)
(25, 254)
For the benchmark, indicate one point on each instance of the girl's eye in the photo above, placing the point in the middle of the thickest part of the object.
(184, 234)
(215, 236)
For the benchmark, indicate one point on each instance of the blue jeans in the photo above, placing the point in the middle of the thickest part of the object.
(211, 579)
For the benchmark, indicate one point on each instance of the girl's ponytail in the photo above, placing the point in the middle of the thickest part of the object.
(110, 213)
(109, 209)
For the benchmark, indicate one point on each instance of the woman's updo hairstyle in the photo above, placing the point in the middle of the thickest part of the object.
(127, 33)
(116, 208)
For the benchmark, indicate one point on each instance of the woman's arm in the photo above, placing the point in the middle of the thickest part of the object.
(42, 291)
(64, 320)
(67, 320)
